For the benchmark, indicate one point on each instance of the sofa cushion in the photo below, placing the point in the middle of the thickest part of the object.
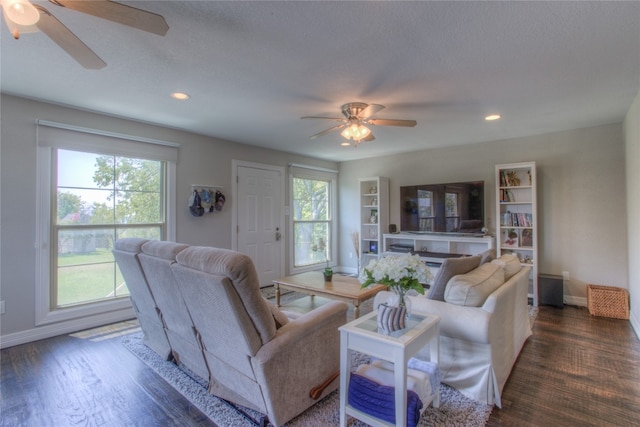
(451, 267)
(510, 263)
(473, 288)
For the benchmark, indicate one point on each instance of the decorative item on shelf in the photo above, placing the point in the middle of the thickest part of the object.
(373, 219)
(373, 190)
(527, 237)
(401, 274)
(511, 239)
(511, 179)
(374, 201)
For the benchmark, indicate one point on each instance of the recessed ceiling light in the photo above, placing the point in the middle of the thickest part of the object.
(180, 96)
(492, 117)
(345, 144)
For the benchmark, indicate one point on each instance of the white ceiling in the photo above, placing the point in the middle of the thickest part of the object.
(254, 68)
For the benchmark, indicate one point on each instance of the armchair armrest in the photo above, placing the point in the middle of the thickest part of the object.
(303, 355)
(314, 322)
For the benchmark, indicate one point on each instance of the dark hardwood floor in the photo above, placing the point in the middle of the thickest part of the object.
(576, 370)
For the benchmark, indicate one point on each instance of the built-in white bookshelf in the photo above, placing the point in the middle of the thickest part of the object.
(374, 217)
(516, 216)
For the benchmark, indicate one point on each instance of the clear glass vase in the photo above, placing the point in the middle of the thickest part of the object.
(401, 299)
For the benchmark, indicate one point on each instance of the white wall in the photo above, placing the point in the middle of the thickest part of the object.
(201, 160)
(581, 196)
(632, 155)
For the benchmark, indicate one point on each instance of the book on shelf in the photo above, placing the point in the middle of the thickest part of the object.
(517, 219)
(506, 196)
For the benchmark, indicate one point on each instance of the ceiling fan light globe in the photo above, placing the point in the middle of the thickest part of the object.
(355, 131)
(363, 132)
(20, 12)
(16, 29)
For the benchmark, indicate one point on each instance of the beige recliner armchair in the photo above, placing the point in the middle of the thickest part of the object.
(211, 309)
(126, 253)
(156, 259)
(256, 356)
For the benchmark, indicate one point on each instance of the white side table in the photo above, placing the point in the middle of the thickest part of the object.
(398, 347)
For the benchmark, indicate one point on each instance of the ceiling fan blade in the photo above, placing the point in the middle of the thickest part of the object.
(369, 137)
(68, 41)
(392, 122)
(337, 119)
(370, 110)
(120, 13)
(326, 131)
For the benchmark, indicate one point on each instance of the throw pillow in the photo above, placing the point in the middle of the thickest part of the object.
(451, 267)
(510, 263)
(473, 288)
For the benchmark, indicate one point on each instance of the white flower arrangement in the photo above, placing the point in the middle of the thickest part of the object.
(400, 273)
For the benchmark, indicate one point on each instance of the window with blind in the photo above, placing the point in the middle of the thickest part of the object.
(94, 189)
(313, 202)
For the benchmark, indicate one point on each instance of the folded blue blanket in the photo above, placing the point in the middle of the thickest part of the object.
(379, 400)
(428, 367)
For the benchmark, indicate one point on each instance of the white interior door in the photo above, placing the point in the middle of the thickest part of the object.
(259, 220)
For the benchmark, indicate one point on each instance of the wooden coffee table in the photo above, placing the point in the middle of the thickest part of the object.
(343, 288)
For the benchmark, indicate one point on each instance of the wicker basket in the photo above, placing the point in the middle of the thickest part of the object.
(608, 301)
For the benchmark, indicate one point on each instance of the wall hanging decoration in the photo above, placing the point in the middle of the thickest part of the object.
(205, 199)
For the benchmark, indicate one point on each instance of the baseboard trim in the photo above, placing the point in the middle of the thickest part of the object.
(66, 327)
(635, 323)
(578, 301)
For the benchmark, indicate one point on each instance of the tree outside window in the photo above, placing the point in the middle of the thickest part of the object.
(311, 221)
(101, 198)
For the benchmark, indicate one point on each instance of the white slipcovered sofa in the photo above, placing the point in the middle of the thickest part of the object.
(484, 323)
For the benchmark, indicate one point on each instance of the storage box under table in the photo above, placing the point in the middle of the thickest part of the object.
(608, 301)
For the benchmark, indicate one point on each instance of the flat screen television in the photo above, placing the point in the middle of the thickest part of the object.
(442, 208)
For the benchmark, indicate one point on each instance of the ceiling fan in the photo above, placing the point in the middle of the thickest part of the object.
(23, 17)
(356, 116)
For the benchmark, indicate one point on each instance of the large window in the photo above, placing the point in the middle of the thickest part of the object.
(313, 203)
(100, 198)
(95, 187)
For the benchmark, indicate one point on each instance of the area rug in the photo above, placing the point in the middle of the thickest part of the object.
(269, 292)
(108, 332)
(455, 409)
